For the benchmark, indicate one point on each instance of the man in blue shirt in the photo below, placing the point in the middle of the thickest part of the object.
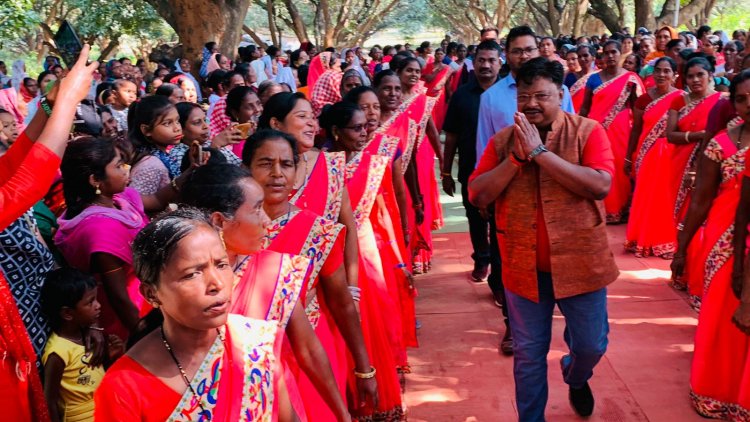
(498, 104)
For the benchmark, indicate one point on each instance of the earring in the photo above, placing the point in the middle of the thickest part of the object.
(221, 236)
(98, 191)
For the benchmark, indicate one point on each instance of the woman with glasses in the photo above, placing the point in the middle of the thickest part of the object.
(609, 99)
(346, 124)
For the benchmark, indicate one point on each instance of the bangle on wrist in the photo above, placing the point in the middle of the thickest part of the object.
(173, 184)
(366, 375)
(515, 161)
(445, 174)
(418, 206)
(687, 134)
(45, 105)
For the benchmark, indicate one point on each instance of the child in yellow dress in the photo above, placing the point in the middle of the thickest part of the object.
(73, 360)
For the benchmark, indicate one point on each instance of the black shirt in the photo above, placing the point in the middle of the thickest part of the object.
(461, 119)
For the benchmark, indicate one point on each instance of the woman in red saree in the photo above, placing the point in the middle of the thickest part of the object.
(686, 126)
(381, 325)
(419, 108)
(319, 183)
(437, 76)
(651, 230)
(610, 97)
(719, 374)
(195, 361)
(327, 298)
(578, 88)
(268, 284)
(389, 214)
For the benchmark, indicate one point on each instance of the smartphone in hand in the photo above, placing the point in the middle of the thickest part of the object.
(68, 44)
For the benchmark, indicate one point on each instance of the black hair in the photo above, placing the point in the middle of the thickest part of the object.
(154, 245)
(166, 89)
(673, 43)
(669, 60)
(382, 75)
(215, 79)
(235, 98)
(338, 115)
(272, 50)
(27, 79)
(354, 95)
(147, 112)
(227, 79)
(294, 57)
(540, 68)
(587, 47)
(279, 106)
(120, 83)
(638, 62)
(83, 158)
(487, 29)
(64, 288)
(617, 44)
(489, 45)
(736, 81)
(184, 109)
(517, 32)
(215, 188)
(403, 63)
(701, 60)
(42, 75)
(738, 45)
(702, 31)
(259, 138)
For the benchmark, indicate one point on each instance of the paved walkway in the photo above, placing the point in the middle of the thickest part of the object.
(458, 374)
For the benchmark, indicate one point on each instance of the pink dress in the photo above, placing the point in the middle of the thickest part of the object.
(111, 231)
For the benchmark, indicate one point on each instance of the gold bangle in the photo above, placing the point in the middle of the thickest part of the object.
(366, 375)
(112, 271)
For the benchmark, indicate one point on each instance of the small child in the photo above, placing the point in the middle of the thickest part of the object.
(124, 93)
(71, 373)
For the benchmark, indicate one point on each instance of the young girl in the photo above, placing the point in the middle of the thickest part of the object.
(195, 129)
(155, 129)
(8, 130)
(71, 371)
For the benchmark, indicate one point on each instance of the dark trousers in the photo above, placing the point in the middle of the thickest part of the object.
(586, 330)
(483, 235)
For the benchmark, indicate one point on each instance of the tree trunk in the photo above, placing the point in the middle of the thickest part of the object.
(580, 13)
(298, 25)
(601, 10)
(644, 14)
(197, 22)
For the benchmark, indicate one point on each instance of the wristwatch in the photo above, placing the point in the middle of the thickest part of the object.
(538, 150)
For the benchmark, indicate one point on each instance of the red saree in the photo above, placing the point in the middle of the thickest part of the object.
(578, 90)
(720, 373)
(235, 382)
(651, 229)
(323, 189)
(387, 225)
(419, 110)
(381, 325)
(307, 234)
(609, 106)
(267, 287)
(436, 89)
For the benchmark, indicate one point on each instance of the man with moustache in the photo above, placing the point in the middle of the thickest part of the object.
(546, 176)
(460, 136)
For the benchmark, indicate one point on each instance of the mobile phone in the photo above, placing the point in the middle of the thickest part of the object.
(68, 44)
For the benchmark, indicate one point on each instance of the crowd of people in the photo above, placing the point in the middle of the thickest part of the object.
(236, 237)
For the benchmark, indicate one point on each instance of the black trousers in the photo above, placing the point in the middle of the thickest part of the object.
(483, 235)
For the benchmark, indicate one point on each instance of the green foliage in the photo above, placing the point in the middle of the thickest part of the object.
(17, 17)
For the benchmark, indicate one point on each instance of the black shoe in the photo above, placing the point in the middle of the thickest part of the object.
(506, 344)
(480, 273)
(582, 400)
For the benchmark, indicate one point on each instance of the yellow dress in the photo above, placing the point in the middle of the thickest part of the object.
(79, 381)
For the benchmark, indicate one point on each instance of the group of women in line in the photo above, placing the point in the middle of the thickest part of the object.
(280, 287)
(680, 147)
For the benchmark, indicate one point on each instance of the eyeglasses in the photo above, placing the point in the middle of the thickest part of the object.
(520, 51)
(540, 97)
(357, 128)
